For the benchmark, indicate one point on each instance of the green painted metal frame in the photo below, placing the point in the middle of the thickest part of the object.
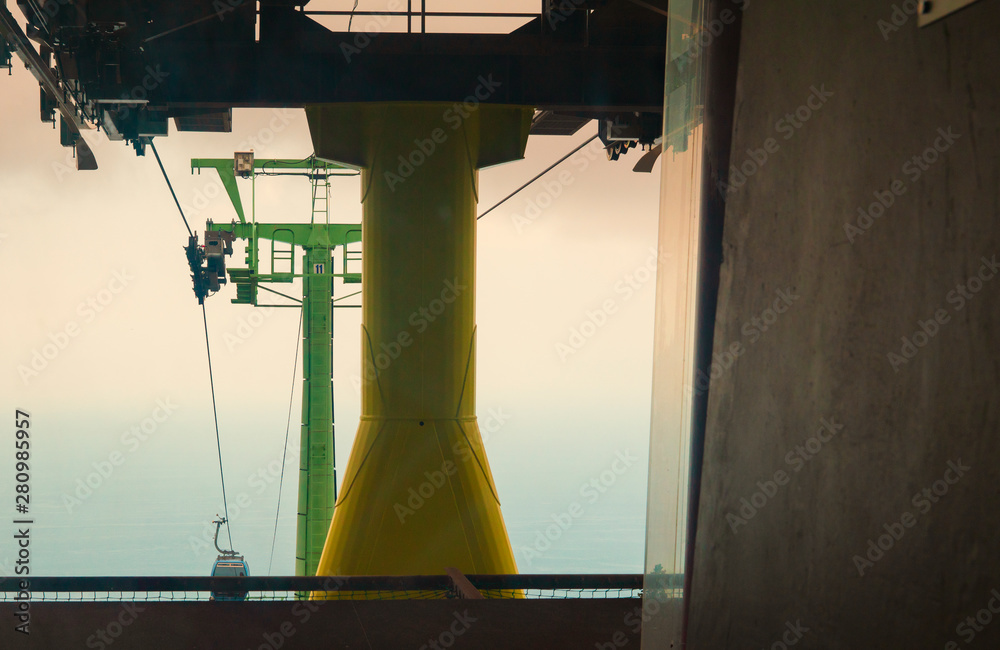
(317, 492)
(227, 172)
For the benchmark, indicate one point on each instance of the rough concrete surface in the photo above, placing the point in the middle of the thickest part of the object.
(788, 559)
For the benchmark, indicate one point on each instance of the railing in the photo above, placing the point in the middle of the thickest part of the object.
(419, 14)
(281, 588)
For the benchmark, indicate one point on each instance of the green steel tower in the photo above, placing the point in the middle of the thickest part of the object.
(318, 240)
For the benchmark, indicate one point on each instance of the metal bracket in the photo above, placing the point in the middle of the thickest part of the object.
(934, 10)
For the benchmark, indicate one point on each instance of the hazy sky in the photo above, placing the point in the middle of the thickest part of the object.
(95, 278)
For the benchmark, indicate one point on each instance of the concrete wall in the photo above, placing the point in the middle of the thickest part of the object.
(792, 556)
(372, 625)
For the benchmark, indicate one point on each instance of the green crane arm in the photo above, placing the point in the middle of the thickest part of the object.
(227, 172)
(299, 234)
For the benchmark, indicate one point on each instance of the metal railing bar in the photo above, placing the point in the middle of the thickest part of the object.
(323, 583)
(424, 14)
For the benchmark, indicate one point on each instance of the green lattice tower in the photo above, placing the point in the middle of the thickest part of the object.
(318, 240)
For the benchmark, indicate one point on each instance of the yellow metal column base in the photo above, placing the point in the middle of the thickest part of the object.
(418, 495)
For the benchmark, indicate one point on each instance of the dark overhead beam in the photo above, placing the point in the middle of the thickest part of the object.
(609, 61)
(131, 65)
(406, 69)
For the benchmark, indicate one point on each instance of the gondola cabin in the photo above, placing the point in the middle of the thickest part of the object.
(230, 566)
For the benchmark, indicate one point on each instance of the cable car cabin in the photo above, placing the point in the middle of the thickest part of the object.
(230, 565)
